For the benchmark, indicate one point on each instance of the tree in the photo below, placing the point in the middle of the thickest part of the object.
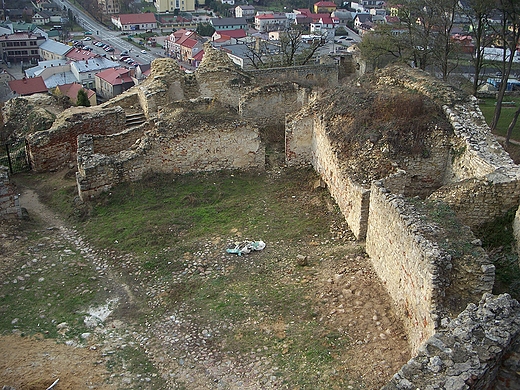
(509, 33)
(205, 29)
(82, 98)
(477, 13)
(289, 50)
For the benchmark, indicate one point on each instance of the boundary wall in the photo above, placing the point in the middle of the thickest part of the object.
(428, 281)
(9, 203)
(478, 350)
(57, 147)
(233, 146)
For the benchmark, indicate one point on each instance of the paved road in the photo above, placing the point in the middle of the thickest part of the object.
(113, 38)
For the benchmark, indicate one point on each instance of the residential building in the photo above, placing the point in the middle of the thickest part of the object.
(132, 22)
(171, 5)
(25, 86)
(360, 19)
(54, 73)
(112, 82)
(172, 44)
(85, 71)
(325, 26)
(21, 47)
(344, 17)
(228, 23)
(189, 48)
(228, 2)
(41, 18)
(71, 91)
(324, 7)
(229, 37)
(245, 11)
(271, 22)
(142, 71)
(108, 7)
(52, 50)
(373, 3)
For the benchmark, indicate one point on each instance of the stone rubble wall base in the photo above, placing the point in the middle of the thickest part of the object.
(477, 350)
(9, 202)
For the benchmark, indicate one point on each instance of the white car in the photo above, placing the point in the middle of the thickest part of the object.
(87, 39)
(143, 51)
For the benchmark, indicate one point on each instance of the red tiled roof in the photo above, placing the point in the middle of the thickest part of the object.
(79, 55)
(199, 55)
(115, 76)
(304, 11)
(191, 43)
(28, 86)
(71, 90)
(271, 16)
(137, 18)
(325, 4)
(317, 17)
(238, 33)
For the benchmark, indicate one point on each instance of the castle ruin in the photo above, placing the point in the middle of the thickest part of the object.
(386, 184)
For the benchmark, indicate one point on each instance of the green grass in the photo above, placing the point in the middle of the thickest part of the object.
(176, 210)
(51, 285)
(506, 115)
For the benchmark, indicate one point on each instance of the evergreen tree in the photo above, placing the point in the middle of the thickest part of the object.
(82, 99)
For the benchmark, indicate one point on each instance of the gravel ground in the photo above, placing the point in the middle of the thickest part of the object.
(179, 349)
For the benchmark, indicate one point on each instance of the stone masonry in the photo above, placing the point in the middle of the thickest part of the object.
(9, 204)
(467, 354)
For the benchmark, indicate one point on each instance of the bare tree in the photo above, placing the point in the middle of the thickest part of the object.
(477, 13)
(509, 34)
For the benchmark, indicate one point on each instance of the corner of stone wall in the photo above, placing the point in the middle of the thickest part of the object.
(470, 352)
(9, 203)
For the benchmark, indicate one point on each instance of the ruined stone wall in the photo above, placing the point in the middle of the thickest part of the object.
(481, 200)
(202, 150)
(56, 147)
(9, 204)
(268, 105)
(320, 75)
(114, 143)
(426, 281)
(476, 350)
(307, 142)
(128, 101)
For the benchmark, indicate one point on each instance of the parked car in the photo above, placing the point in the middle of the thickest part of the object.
(124, 53)
(110, 49)
(123, 58)
(87, 39)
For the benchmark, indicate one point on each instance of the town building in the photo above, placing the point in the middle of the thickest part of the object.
(21, 47)
(133, 22)
(172, 5)
(112, 82)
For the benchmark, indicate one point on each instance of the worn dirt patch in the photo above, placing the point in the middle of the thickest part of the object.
(34, 363)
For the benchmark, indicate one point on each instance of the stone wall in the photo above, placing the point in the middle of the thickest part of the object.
(114, 143)
(477, 350)
(9, 204)
(481, 182)
(269, 104)
(56, 147)
(236, 146)
(427, 280)
(326, 75)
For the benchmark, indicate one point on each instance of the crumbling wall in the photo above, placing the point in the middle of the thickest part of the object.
(307, 142)
(481, 182)
(427, 280)
(114, 143)
(474, 351)
(220, 78)
(56, 147)
(235, 146)
(9, 204)
(322, 75)
(269, 104)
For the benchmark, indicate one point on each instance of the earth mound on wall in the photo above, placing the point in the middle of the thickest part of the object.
(28, 114)
(374, 128)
